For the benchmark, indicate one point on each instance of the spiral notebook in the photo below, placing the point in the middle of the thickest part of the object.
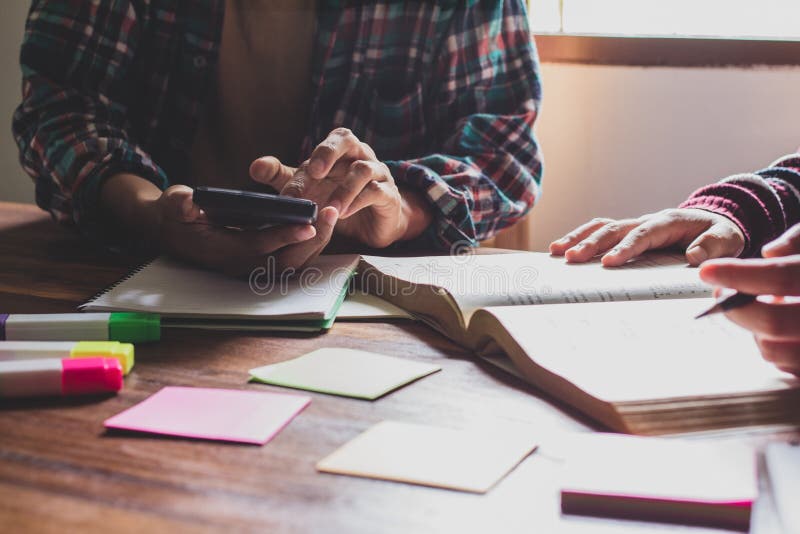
(189, 297)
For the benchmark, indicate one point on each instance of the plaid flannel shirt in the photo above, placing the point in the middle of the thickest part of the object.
(445, 92)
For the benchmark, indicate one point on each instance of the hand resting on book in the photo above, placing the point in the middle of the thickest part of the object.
(704, 234)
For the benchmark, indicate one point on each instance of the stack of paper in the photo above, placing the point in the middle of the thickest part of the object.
(661, 480)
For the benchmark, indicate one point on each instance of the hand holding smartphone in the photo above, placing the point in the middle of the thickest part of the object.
(253, 211)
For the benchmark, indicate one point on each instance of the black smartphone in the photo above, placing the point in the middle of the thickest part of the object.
(253, 211)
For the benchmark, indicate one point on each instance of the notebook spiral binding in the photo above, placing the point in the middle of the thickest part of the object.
(112, 286)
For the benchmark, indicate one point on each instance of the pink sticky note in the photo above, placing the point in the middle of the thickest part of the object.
(218, 414)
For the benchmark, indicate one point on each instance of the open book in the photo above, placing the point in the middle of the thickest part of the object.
(191, 297)
(621, 344)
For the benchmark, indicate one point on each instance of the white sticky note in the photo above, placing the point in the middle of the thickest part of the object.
(465, 460)
(345, 372)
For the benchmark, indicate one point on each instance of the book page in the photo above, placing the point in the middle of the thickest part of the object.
(169, 287)
(477, 281)
(361, 305)
(646, 350)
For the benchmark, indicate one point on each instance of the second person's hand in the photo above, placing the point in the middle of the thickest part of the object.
(774, 318)
(705, 235)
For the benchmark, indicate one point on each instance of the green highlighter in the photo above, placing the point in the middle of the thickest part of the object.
(134, 327)
(122, 327)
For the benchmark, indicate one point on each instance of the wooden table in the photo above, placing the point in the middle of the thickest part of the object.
(60, 471)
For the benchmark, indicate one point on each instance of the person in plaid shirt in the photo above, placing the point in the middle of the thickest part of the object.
(408, 122)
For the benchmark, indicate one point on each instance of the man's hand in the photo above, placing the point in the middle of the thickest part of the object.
(345, 173)
(705, 235)
(773, 319)
(185, 232)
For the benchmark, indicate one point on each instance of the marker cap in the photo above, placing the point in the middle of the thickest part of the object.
(123, 352)
(134, 327)
(85, 376)
(3, 319)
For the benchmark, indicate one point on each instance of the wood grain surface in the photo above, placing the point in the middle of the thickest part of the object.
(60, 471)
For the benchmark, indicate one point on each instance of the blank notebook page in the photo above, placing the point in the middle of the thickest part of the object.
(170, 287)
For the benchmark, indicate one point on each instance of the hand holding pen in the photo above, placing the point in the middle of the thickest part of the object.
(729, 302)
(775, 321)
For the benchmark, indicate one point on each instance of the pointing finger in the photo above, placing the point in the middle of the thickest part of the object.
(339, 144)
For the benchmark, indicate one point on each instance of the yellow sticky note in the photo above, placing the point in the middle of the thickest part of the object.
(345, 372)
(466, 460)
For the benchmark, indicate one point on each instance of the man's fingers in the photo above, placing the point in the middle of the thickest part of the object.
(560, 246)
(784, 354)
(237, 253)
(773, 276)
(299, 255)
(656, 233)
(785, 245)
(179, 204)
(359, 176)
(270, 171)
(339, 144)
(719, 241)
(267, 241)
(776, 321)
(296, 185)
(599, 241)
(374, 193)
(327, 222)
(301, 185)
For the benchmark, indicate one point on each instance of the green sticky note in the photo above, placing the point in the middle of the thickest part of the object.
(345, 372)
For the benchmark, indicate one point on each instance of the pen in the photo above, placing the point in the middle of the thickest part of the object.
(31, 378)
(732, 301)
(63, 350)
(125, 327)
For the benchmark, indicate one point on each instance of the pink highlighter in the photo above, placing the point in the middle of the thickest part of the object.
(53, 376)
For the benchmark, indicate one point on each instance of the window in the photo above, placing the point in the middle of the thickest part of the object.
(762, 19)
(692, 33)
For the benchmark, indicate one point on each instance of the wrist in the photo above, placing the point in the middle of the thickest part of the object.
(416, 214)
(132, 203)
(152, 215)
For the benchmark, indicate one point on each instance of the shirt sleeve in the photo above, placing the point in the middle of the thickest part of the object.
(764, 204)
(486, 170)
(72, 126)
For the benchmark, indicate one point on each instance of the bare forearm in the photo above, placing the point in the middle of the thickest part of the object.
(132, 203)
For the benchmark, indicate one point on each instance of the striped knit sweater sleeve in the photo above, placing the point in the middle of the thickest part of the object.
(764, 204)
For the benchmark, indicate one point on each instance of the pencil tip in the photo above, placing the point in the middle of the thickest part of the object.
(707, 312)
